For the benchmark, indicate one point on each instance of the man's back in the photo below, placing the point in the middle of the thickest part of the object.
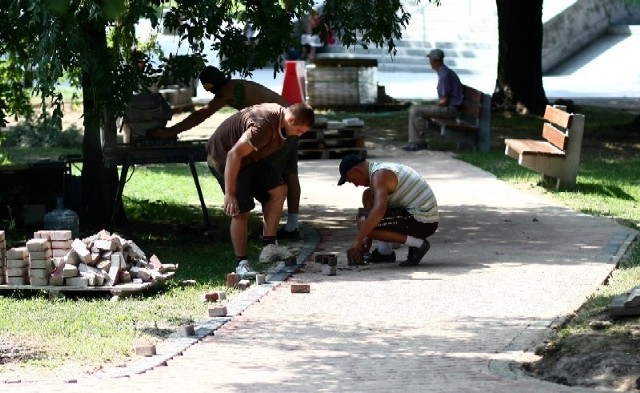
(240, 94)
(262, 122)
(449, 85)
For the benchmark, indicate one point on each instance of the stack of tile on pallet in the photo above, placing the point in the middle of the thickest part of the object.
(18, 266)
(3, 258)
(40, 264)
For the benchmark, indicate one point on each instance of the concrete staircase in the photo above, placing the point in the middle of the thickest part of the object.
(470, 47)
(467, 31)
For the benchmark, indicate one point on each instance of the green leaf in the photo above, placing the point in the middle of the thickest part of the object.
(112, 9)
(59, 7)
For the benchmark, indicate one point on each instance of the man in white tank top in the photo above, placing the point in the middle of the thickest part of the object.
(399, 207)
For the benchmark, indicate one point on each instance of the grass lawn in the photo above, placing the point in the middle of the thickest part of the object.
(45, 333)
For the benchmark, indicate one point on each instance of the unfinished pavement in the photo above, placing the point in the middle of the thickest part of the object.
(504, 267)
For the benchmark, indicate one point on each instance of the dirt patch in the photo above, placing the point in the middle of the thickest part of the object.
(598, 360)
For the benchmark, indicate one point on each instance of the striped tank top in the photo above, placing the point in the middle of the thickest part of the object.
(412, 193)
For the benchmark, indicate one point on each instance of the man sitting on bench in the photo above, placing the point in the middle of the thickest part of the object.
(450, 98)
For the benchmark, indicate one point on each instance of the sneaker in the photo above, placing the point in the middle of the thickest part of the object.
(273, 252)
(376, 257)
(284, 234)
(244, 270)
(415, 147)
(416, 253)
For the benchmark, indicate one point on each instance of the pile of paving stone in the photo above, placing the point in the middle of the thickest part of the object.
(54, 258)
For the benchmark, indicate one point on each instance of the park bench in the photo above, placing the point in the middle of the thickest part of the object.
(557, 157)
(473, 126)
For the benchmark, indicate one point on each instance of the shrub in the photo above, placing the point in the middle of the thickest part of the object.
(42, 134)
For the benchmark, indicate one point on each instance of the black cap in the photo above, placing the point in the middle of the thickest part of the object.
(213, 75)
(348, 162)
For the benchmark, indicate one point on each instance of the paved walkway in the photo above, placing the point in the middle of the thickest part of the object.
(504, 267)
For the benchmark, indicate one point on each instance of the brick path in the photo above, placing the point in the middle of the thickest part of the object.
(504, 266)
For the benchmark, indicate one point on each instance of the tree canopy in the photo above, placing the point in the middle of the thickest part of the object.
(90, 43)
(53, 39)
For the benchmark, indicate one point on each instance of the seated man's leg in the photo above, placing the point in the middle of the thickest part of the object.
(417, 124)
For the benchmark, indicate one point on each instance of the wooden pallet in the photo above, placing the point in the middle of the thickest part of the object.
(332, 139)
(120, 290)
(323, 154)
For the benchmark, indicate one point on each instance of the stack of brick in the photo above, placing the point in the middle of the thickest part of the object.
(17, 266)
(60, 241)
(106, 259)
(60, 244)
(3, 258)
(40, 264)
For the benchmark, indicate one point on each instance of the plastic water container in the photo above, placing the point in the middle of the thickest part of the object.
(62, 218)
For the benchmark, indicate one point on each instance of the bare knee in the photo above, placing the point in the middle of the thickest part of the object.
(278, 194)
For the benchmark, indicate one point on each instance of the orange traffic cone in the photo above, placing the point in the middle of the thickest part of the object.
(291, 89)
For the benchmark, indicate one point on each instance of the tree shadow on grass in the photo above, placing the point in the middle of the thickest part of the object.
(604, 190)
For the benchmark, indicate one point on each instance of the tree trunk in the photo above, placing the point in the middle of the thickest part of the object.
(519, 83)
(99, 184)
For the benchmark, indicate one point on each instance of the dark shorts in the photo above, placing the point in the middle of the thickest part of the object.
(401, 221)
(285, 159)
(254, 181)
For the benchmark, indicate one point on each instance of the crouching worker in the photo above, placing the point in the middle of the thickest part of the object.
(399, 207)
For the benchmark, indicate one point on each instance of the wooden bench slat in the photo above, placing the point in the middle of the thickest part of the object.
(533, 147)
(472, 94)
(555, 136)
(558, 116)
(470, 109)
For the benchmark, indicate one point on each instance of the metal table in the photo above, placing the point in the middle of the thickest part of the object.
(156, 151)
